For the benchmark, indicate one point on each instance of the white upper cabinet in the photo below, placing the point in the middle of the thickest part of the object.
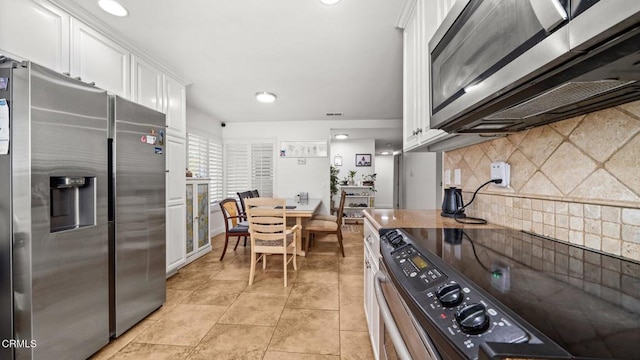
(175, 106)
(95, 58)
(420, 22)
(410, 105)
(36, 31)
(147, 84)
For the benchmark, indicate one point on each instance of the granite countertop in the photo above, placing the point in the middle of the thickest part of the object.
(398, 218)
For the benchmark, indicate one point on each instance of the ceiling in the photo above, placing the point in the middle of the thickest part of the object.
(318, 59)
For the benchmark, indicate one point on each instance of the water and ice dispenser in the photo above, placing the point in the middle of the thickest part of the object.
(73, 202)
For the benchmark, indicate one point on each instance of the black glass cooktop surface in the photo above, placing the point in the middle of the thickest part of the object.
(586, 301)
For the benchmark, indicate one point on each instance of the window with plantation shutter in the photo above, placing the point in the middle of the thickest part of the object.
(204, 159)
(262, 168)
(215, 171)
(249, 166)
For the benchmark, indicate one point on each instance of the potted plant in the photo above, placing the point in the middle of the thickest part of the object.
(352, 174)
(333, 178)
(369, 179)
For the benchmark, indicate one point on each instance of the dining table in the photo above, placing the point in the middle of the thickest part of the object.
(302, 211)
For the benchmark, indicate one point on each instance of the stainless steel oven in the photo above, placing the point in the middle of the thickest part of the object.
(402, 336)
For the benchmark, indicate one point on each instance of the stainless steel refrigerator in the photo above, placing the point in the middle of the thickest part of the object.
(82, 214)
(136, 212)
(53, 214)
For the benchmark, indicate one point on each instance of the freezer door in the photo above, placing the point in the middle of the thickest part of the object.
(59, 142)
(6, 291)
(139, 212)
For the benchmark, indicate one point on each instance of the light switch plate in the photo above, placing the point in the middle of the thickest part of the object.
(457, 177)
(447, 177)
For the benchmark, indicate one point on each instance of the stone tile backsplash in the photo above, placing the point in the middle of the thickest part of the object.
(577, 180)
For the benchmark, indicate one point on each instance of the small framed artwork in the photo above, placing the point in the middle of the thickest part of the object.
(363, 159)
(337, 161)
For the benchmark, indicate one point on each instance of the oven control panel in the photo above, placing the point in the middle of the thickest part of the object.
(448, 302)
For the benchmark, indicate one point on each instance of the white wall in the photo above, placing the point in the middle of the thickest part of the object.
(421, 180)
(197, 122)
(348, 149)
(384, 182)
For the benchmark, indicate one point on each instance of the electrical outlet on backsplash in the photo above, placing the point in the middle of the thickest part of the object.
(574, 180)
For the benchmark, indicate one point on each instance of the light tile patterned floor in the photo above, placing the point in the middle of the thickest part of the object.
(212, 313)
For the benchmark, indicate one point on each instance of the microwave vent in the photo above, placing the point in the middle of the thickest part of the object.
(558, 97)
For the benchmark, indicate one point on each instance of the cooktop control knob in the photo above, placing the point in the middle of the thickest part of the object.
(473, 319)
(450, 295)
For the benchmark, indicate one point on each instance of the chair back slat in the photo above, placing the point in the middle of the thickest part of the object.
(265, 221)
(242, 196)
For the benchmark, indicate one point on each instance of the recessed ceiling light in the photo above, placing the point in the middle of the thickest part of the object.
(265, 97)
(113, 7)
(329, 2)
(342, 136)
(385, 153)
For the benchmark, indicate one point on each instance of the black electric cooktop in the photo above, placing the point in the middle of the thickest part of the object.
(585, 301)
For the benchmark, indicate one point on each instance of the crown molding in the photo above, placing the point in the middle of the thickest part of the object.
(407, 10)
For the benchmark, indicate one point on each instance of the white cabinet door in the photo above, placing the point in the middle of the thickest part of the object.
(372, 312)
(410, 82)
(176, 165)
(147, 84)
(175, 106)
(371, 309)
(95, 58)
(176, 222)
(428, 17)
(421, 25)
(175, 195)
(36, 31)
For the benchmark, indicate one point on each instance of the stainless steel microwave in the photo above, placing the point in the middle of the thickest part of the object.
(500, 66)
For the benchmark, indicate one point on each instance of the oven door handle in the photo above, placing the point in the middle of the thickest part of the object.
(390, 324)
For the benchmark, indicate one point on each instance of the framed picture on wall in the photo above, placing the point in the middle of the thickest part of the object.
(337, 160)
(363, 159)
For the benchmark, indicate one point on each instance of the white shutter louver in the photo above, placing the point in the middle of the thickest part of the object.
(204, 159)
(262, 168)
(249, 166)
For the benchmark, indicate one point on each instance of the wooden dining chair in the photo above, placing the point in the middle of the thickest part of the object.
(234, 223)
(242, 196)
(269, 233)
(327, 226)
